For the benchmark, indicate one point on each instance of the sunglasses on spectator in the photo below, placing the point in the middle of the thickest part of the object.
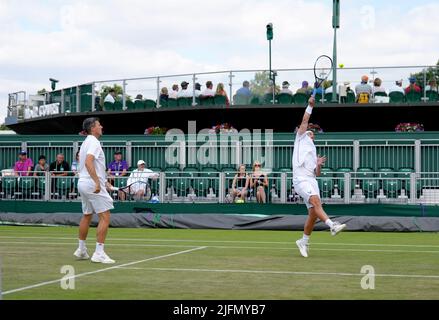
(257, 165)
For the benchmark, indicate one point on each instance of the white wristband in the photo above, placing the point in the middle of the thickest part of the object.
(308, 110)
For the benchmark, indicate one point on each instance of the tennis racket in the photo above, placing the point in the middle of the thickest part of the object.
(127, 189)
(322, 70)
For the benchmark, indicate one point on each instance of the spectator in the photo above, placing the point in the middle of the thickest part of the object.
(317, 89)
(59, 167)
(184, 93)
(139, 97)
(164, 94)
(412, 86)
(174, 92)
(221, 92)
(432, 85)
(139, 180)
(327, 85)
(117, 167)
(42, 167)
(258, 182)
(208, 92)
(75, 164)
(363, 90)
(111, 96)
(306, 89)
(270, 89)
(98, 105)
(197, 90)
(397, 87)
(23, 166)
(285, 88)
(377, 87)
(245, 90)
(240, 184)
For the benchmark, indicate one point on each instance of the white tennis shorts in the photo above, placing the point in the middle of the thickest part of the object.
(307, 188)
(94, 202)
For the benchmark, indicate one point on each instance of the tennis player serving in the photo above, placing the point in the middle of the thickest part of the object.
(306, 166)
(92, 188)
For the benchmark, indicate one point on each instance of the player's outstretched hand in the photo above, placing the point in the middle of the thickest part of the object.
(321, 160)
(311, 102)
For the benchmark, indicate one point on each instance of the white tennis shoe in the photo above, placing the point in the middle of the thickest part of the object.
(337, 227)
(101, 258)
(81, 254)
(303, 247)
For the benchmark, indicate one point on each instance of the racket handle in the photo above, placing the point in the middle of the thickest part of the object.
(114, 188)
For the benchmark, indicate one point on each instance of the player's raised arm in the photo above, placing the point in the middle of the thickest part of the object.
(304, 125)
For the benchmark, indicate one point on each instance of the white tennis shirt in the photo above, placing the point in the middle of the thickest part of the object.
(92, 146)
(304, 157)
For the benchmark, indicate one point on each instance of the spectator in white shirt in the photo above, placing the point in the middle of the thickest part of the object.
(377, 87)
(138, 180)
(184, 93)
(285, 86)
(397, 87)
(208, 92)
(110, 97)
(174, 92)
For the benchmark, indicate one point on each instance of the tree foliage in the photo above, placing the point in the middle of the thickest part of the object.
(431, 73)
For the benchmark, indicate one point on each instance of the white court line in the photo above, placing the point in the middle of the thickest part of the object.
(100, 270)
(236, 241)
(293, 247)
(287, 272)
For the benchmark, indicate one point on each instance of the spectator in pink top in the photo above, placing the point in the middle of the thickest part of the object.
(24, 165)
(412, 86)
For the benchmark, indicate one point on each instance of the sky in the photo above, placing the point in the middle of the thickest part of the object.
(83, 41)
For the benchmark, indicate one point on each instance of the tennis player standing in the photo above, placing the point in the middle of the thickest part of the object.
(306, 166)
(93, 191)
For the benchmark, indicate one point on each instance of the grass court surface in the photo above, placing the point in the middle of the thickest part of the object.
(219, 264)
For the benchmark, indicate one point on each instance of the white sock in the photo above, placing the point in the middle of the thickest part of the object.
(82, 244)
(305, 238)
(99, 247)
(329, 223)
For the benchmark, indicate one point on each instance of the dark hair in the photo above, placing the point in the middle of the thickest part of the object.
(89, 123)
(209, 84)
(111, 90)
(42, 157)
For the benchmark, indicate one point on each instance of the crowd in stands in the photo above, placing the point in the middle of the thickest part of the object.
(363, 92)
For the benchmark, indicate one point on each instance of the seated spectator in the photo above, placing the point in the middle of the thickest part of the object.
(42, 167)
(258, 182)
(432, 85)
(184, 92)
(197, 90)
(174, 92)
(75, 164)
(317, 88)
(285, 88)
(327, 85)
(240, 184)
(363, 90)
(377, 86)
(245, 90)
(139, 180)
(139, 97)
(117, 167)
(397, 87)
(270, 89)
(59, 167)
(412, 86)
(23, 166)
(208, 92)
(221, 92)
(164, 94)
(306, 89)
(111, 96)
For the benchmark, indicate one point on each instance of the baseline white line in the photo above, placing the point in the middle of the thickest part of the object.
(235, 241)
(108, 243)
(286, 272)
(100, 270)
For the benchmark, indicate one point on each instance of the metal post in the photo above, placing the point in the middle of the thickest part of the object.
(124, 87)
(283, 187)
(425, 81)
(128, 151)
(222, 185)
(334, 68)
(230, 86)
(93, 97)
(347, 188)
(238, 153)
(193, 90)
(158, 93)
(75, 147)
(47, 186)
(413, 194)
(356, 155)
(183, 154)
(373, 73)
(62, 101)
(417, 156)
(162, 190)
(78, 98)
